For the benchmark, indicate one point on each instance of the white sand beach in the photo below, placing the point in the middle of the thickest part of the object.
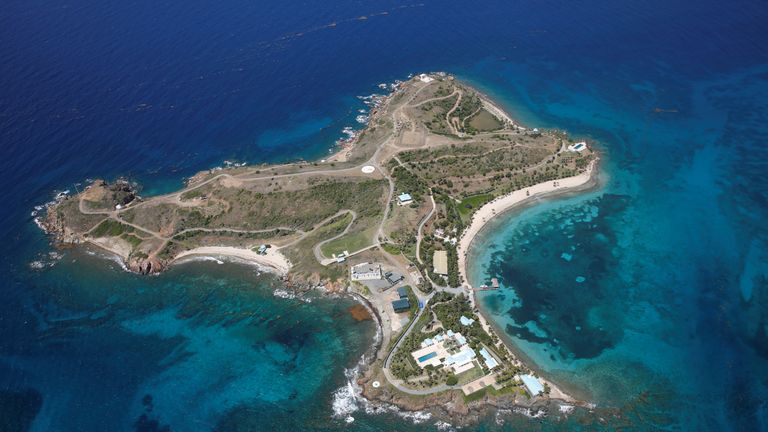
(273, 260)
(501, 204)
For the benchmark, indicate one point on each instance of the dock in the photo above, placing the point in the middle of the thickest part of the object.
(494, 286)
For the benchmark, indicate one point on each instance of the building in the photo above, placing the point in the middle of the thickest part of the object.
(404, 199)
(532, 384)
(402, 292)
(394, 277)
(262, 249)
(401, 305)
(488, 358)
(466, 321)
(449, 350)
(425, 78)
(341, 257)
(365, 271)
(440, 262)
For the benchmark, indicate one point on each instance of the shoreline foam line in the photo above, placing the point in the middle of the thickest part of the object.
(272, 260)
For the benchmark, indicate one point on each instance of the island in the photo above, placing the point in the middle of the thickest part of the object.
(389, 218)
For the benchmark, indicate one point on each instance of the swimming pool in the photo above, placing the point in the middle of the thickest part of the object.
(426, 357)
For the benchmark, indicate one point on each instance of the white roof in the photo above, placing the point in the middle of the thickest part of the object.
(532, 384)
(466, 321)
(489, 360)
(461, 339)
(404, 197)
(464, 356)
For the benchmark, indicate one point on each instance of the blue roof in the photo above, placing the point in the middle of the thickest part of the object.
(403, 292)
(489, 360)
(532, 384)
(404, 197)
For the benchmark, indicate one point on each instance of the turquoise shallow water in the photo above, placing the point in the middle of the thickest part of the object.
(184, 349)
(646, 294)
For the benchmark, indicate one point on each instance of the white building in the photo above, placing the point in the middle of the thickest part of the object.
(366, 271)
(404, 199)
(449, 350)
(425, 78)
(532, 384)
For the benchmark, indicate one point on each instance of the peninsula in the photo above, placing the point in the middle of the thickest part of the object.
(389, 217)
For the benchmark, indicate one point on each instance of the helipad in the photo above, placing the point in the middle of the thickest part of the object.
(368, 169)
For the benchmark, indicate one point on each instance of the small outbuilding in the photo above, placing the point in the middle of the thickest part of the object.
(404, 199)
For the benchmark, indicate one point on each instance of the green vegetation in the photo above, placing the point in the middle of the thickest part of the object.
(406, 182)
(413, 301)
(470, 204)
(194, 193)
(250, 210)
(471, 375)
(403, 366)
(483, 121)
(110, 228)
(390, 248)
(452, 380)
(454, 279)
(350, 242)
(449, 311)
(196, 234)
(132, 239)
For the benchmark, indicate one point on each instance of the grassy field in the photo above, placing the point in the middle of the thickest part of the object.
(484, 121)
(470, 375)
(470, 204)
(110, 228)
(351, 242)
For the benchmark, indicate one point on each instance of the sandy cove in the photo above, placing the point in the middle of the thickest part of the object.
(273, 260)
(504, 203)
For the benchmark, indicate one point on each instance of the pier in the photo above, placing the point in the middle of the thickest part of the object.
(494, 286)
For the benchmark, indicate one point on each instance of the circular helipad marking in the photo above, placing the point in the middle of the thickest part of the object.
(368, 169)
(376, 384)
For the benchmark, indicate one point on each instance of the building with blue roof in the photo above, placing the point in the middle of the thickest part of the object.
(488, 358)
(404, 198)
(532, 384)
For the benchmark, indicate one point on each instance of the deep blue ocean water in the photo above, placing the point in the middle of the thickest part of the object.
(667, 329)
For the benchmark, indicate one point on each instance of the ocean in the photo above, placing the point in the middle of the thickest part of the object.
(648, 296)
